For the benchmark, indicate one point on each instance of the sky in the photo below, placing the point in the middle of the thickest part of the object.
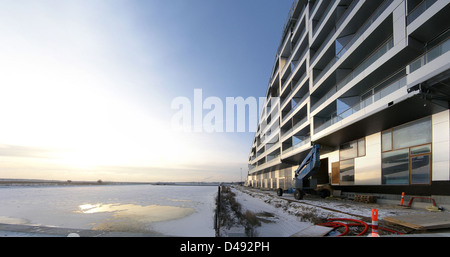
(86, 86)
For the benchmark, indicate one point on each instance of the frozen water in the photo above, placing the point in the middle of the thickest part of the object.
(168, 210)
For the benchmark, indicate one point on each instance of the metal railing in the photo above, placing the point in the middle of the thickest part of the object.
(287, 23)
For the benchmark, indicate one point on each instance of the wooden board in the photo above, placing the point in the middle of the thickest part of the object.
(422, 221)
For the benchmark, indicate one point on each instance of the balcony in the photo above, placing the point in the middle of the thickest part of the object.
(284, 135)
(317, 24)
(274, 120)
(343, 48)
(297, 67)
(418, 10)
(430, 55)
(373, 95)
(272, 148)
(296, 85)
(273, 158)
(295, 91)
(291, 150)
(383, 49)
(289, 20)
(300, 26)
(332, 33)
(295, 107)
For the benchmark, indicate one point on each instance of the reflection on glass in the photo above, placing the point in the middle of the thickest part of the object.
(420, 169)
(386, 139)
(415, 133)
(421, 149)
(347, 172)
(348, 150)
(395, 167)
(362, 147)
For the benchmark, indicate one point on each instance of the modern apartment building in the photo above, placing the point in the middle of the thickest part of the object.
(370, 82)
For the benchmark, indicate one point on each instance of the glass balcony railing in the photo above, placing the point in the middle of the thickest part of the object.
(330, 5)
(297, 125)
(288, 97)
(272, 146)
(293, 72)
(368, 100)
(270, 135)
(301, 143)
(291, 64)
(271, 158)
(296, 106)
(430, 55)
(421, 8)
(338, 24)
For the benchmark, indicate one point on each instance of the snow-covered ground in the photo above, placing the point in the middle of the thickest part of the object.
(278, 222)
(327, 208)
(290, 216)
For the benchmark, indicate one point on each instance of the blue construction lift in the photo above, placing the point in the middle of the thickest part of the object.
(302, 182)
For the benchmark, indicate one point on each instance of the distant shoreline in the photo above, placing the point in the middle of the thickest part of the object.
(39, 182)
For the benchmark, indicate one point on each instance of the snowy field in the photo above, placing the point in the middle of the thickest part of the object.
(162, 210)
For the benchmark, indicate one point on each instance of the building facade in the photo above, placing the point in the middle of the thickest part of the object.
(369, 82)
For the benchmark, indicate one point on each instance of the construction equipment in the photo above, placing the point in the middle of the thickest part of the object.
(302, 182)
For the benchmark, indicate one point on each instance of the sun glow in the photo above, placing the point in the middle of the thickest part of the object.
(76, 100)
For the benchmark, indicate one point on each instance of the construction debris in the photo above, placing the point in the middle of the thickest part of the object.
(365, 198)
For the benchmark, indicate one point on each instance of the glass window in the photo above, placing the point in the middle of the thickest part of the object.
(386, 140)
(420, 169)
(421, 149)
(347, 172)
(361, 147)
(348, 151)
(415, 133)
(395, 167)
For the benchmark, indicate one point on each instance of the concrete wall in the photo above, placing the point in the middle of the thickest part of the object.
(399, 18)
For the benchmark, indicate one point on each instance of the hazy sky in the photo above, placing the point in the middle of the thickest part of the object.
(86, 85)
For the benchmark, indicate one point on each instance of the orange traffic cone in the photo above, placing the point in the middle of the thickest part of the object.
(401, 201)
(375, 223)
